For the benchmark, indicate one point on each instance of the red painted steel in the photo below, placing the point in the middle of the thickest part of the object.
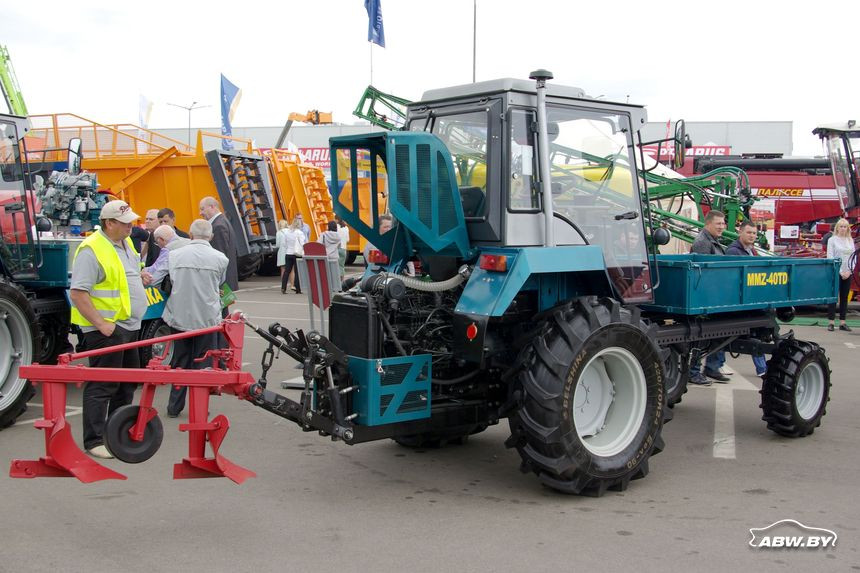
(63, 457)
(317, 261)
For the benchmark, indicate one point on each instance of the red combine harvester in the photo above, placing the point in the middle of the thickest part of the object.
(799, 197)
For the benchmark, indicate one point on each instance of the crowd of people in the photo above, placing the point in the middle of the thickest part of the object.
(110, 271)
(115, 264)
(290, 242)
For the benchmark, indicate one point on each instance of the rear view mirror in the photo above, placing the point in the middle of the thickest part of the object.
(75, 156)
(680, 144)
(661, 236)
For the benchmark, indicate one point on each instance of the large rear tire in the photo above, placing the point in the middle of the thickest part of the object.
(592, 399)
(796, 388)
(19, 339)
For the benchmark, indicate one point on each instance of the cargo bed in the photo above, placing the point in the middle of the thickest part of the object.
(709, 284)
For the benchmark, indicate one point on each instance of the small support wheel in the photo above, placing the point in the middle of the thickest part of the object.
(118, 439)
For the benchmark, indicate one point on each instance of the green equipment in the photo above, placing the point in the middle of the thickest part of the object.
(9, 85)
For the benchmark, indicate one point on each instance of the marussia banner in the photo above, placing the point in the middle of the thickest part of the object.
(667, 152)
(316, 156)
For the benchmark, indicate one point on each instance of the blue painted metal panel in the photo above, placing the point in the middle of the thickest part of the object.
(489, 293)
(434, 209)
(54, 272)
(156, 300)
(423, 195)
(708, 284)
(391, 390)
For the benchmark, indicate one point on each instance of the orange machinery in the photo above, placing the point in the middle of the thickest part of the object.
(150, 170)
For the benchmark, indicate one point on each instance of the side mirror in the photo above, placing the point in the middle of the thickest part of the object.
(680, 144)
(661, 236)
(75, 156)
(43, 224)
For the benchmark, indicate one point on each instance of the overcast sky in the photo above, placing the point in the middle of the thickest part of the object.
(701, 61)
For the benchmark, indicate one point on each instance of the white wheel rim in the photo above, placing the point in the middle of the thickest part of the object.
(16, 348)
(609, 401)
(809, 391)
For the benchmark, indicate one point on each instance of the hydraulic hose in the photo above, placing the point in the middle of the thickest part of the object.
(425, 286)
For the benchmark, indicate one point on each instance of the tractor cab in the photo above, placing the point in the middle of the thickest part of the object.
(487, 152)
(17, 257)
(842, 146)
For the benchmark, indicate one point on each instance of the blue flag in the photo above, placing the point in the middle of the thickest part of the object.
(230, 96)
(375, 31)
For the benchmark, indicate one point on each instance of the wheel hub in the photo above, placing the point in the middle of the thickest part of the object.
(609, 401)
(809, 391)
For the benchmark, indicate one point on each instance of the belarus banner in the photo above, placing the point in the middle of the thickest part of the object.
(230, 96)
(375, 31)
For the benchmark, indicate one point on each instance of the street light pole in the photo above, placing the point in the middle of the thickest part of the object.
(189, 109)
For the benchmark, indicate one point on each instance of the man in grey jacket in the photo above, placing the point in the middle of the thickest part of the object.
(707, 243)
(167, 240)
(197, 271)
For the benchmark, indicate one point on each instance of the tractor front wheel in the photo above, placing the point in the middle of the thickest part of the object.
(592, 399)
(796, 388)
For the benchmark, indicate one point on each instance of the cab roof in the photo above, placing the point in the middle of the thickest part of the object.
(849, 126)
(500, 85)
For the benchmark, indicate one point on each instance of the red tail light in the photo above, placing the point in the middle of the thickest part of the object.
(497, 263)
(377, 257)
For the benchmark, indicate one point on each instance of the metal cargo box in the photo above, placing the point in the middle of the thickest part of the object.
(708, 284)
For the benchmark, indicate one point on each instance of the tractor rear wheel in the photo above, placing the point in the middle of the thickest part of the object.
(796, 388)
(592, 399)
(19, 340)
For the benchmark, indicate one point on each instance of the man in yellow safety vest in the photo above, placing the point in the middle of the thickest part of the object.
(108, 302)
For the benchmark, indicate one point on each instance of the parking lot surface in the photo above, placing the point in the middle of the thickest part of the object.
(317, 504)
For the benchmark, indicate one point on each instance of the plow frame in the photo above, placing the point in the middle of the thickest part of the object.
(63, 458)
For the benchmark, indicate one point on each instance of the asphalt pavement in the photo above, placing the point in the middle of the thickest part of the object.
(317, 505)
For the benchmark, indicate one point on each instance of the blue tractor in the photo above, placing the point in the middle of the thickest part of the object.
(512, 277)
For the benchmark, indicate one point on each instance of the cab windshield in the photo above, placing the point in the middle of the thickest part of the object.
(595, 187)
(844, 154)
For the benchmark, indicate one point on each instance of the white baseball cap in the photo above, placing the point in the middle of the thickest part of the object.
(119, 210)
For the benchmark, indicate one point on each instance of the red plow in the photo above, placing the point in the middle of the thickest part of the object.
(134, 432)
